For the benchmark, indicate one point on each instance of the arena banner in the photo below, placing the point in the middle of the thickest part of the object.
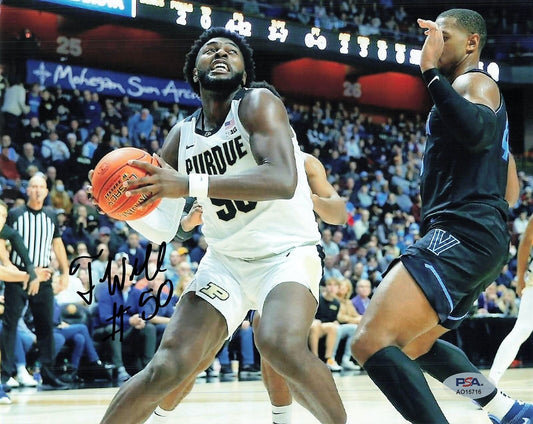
(110, 83)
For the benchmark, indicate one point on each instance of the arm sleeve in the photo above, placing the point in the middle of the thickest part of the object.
(161, 225)
(182, 234)
(18, 246)
(472, 124)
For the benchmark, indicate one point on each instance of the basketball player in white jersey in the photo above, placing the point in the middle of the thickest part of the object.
(524, 323)
(330, 208)
(236, 155)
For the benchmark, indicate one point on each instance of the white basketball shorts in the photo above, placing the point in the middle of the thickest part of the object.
(235, 286)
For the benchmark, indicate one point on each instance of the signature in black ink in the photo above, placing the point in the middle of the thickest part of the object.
(117, 281)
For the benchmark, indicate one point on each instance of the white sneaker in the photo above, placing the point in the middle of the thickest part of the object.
(25, 379)
(4, 398)
(13, 383)
(333, 366)
(350, 366)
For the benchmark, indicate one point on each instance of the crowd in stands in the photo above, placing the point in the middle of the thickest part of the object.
(372, 160)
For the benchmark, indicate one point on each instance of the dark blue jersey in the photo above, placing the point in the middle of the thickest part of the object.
(460, 184)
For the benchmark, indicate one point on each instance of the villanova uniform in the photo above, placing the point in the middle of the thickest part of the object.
(464, 214)
(253, 246)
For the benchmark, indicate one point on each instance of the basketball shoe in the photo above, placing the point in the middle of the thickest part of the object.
(520, 413)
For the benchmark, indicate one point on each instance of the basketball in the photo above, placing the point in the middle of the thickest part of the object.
(108, 178)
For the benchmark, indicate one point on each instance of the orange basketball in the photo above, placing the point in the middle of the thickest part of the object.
(108, 191)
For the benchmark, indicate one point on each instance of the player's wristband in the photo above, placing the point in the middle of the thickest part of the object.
(430, 76)
(198, 185)
(438, 86)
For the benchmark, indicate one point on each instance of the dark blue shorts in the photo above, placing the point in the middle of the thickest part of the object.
(453, 266)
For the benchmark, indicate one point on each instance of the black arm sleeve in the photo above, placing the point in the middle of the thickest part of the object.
(472, 124)
(181, 234)
(17, 244)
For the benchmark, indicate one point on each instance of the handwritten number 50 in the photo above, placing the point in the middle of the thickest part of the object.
(157, 299)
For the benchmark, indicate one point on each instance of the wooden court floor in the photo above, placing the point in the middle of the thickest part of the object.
(247, 403)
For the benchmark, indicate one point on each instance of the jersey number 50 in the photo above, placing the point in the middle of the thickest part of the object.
(230, 207)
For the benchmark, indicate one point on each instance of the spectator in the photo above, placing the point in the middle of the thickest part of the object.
(184, 277)
(8, 167)
(330, 247)
(507, 303)
(248, 371)
(90, 146)
(78, 231)
(78, 166)
(23, 343)
(348, 318)
(488, 301)
(34, 132)
(136, 254)
(176, 257)
(60, 198)
(26, 159)
(520, 223)
(12, 153)
(198, 252)
(91, 110)
(109, 237)
(505, 278)
(139, 127)
(128, 335)
(4, 83)
(14, 108)
(54, 151)
(100, 265)
(47, 108)
(103, 149)
(325, 323)
(363, 288)
(330, 270)
(82, 346)
(34, 101)
(158, 309)
(123, 139)
(362, 225)
(51, 176)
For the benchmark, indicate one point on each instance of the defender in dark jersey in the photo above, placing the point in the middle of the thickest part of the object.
(464, 245)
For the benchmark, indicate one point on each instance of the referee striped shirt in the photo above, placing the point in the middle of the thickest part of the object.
(37, 229)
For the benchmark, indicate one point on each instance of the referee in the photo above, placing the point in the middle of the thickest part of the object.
(38, 228)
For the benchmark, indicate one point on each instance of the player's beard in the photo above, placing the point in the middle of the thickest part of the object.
(221, 85)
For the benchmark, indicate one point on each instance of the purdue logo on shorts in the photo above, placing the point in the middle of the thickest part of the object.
(441, 241)
(214, 292)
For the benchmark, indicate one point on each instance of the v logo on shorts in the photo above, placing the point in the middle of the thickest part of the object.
(441, 241)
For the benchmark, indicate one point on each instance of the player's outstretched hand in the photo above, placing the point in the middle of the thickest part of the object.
(193, 218)
(162, 181)
(433, 46)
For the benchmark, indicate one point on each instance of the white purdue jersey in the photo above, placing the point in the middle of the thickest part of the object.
(244, 229)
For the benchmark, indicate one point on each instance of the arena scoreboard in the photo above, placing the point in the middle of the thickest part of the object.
(308, 40)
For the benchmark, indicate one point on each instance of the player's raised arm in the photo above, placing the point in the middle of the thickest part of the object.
(265, 118)
(466, 105)
(327, 203)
